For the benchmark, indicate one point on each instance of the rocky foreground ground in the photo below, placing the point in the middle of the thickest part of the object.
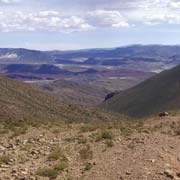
(142, 151)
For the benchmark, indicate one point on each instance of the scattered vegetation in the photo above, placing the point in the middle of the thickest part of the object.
(61, 166)
(18, 131)
(52, 172)
(4, 159)
(88, 166)
(109, 143)
(47, 172)
(89, 127)
(104, 134)
(80, 139)
(57, 154)
(86, 153)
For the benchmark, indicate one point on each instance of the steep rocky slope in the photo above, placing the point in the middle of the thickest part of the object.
(18, 101)
(159, 93)
(73, 92)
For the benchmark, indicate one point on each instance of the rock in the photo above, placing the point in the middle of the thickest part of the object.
(2, 148)
(151, 160)
(128, 173)
(5, 166)
(13, 171)
(178, 174)
(25, 142)
(169, 173)
(24, 172)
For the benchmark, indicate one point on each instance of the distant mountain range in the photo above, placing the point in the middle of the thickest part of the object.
(23, 56)
(93, 56)
(103, 67)
(147, 57)
(159, 93)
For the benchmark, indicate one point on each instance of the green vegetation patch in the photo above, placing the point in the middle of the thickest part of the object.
(47, 172)
(61, 166)
(57, 154)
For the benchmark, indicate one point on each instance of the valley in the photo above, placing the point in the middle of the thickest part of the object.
(89, 90)
(113, 69)
(90, 114)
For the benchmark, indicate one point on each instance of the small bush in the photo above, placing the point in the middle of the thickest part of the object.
(89, 127)
(47, 172)
(107, 135)
(56, 131)
(19, 131)
(103, 135)
(56, 154)
(61, 166)
(82, 140)
(126, 131)
(4, 159)
(88, 166)
(86, 153)
(109, 143)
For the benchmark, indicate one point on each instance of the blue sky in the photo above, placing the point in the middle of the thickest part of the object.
(79, 24)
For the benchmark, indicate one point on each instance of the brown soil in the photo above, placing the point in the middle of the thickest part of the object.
(150, 153)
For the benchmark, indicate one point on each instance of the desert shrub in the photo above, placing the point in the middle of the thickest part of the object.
(82, 140)
(107, 134)
(57, 154)
(4, 131)
(86, 153)
(79, 139)
(89, 127)
(61, 166)
(126, 131)
(104, 134)
(4, 159)
(47, 172)
(56, 131)
(19, 131)
(88, 166)
(70, 139)
(109, 143)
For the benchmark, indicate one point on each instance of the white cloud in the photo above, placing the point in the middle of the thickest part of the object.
(86, 15)
(54, 21)
(9, 1)
(102, 18)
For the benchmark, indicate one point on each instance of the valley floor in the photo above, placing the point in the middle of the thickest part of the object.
(87, 152)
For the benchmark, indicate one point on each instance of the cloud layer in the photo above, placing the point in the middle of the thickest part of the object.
(81, 15)
(56, 22)
(9, 1)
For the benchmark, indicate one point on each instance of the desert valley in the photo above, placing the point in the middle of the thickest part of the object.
(64, 117)
(89, 90)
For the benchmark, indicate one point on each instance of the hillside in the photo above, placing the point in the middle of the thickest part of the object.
(93, 151)
(19, 101)
(159, 93)
(73, 92)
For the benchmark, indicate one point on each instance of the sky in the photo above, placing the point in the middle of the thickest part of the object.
(83, 24)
